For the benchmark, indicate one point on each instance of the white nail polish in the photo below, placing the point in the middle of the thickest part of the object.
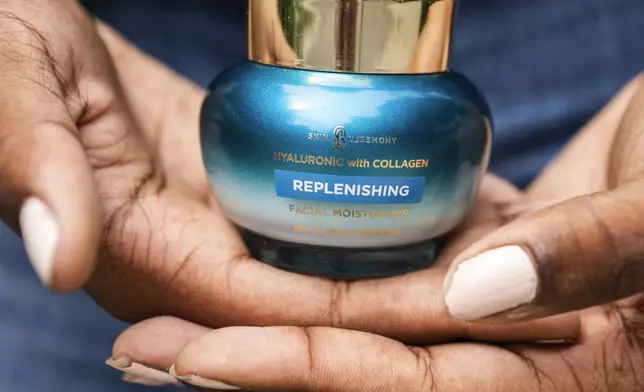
(137, 373)
(202, 382)
(40, 233)
(492, 282)
(148, 382)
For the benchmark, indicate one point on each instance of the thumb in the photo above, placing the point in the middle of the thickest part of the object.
(49, 181)
(580, 253)
(47, 190)
(584, 252)
(46, 181)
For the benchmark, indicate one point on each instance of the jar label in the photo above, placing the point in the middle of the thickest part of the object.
(348, 189)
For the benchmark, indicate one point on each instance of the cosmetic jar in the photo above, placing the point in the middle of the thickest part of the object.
(344, 146)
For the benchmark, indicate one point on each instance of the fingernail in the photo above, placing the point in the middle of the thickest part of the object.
(129, 378)
(140, 374)
(40, 233)
(493, 282)
(201, 382)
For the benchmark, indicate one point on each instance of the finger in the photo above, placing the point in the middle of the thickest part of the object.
(156, 342)
(497, 203)
(495, 196)
(175, 107)
(583, 252)
(324, 359)
(410, 308)
(495, 189)
(413, 310)
(47, 190)
(145, 351)
(580, 169)
(148, 349)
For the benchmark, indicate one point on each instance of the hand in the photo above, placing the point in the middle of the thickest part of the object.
(100, 156)
(166, 351)
(585, 252)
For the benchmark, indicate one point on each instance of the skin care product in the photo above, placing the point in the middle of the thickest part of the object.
(344, 146)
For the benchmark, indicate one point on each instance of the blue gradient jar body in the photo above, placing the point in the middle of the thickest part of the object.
(344, 147)
(259, 120)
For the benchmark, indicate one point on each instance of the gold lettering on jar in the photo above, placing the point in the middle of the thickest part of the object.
(303, 159)
(348, 212)
(400, 164)
(307, 210)
(343, 232)
(330, 161)
(373, 214)
(373, 233)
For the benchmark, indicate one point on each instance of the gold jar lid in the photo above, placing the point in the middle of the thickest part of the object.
(361, 36)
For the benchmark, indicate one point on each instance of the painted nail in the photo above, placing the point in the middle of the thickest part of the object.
(493, 282)
(129, 378)
(40, 233)
(202, 382)
(140, 374)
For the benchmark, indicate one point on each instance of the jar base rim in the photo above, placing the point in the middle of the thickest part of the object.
(342, 263)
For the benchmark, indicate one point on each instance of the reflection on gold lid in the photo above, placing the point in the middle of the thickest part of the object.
(362, 36)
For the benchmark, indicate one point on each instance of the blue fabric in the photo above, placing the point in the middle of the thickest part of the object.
(545, 65)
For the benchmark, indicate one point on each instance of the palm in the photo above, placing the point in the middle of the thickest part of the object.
(165, 240)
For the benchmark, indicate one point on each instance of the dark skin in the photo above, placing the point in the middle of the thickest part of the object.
(141, 231)
(113, 150)
(607, 354)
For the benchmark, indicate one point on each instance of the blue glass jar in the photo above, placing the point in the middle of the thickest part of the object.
(348, 164)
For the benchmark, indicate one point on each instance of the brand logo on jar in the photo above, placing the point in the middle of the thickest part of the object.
(339, 137)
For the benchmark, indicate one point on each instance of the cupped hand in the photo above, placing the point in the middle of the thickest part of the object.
(608, 357)
(100, 156)
(584, 252)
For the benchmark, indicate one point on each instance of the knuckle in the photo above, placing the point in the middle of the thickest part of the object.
(630, 314)
(578, 244)
(597, 243)
(27, 55)
(109, 145)
(40, 43)
(601, 230)
(619, 220)
(314, 373)
(426, 379)
(337, 299)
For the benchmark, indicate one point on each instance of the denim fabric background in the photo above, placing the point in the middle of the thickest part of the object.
(545, 65)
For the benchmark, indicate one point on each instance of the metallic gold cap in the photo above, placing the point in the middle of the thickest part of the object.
(362, 36)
